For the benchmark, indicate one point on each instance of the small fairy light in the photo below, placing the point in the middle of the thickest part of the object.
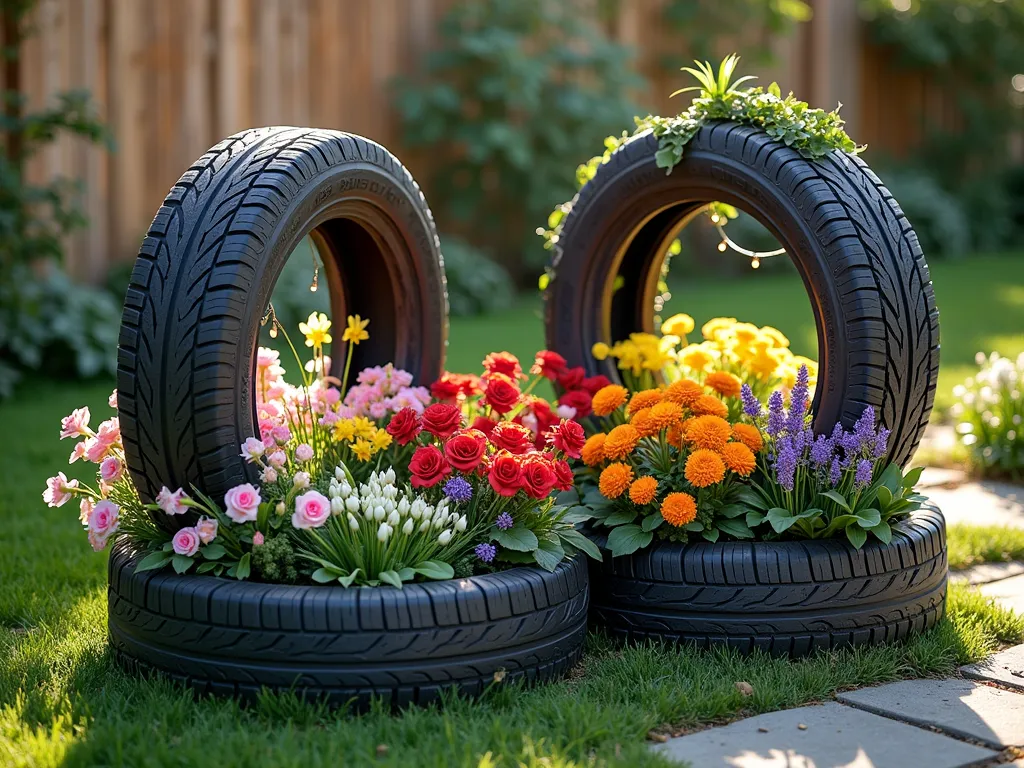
(727, 243)
(271, 318)
(316, 275)
(755, 263)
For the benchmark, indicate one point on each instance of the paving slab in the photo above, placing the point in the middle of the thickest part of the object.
(933, 477)
(1005, 668)
(832, 735)
(1009, 593)
(981, 503)
(985, 573)
(960, 707)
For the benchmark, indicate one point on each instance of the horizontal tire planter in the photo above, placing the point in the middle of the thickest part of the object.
(786, 598)
(348, 645)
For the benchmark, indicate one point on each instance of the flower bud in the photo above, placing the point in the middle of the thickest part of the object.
(425, 525)
(337, 506)
(339, 475)
(352, 503)
(301, 480)
(403, 506)
(407, 529)
(460, 524)
(444, 537)
(383, 532)
(394, 518)
(439, 522)
(345, 490)
(379, 513)
(389, 476)
(389, 506)
(279, 509)
(352, 522)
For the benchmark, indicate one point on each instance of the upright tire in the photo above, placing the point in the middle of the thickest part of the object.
(858, 255)
(206, 271)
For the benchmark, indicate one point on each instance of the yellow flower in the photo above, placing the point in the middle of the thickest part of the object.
(776, 336)
(364, 427)
(600, 351)
(344, 429)
(745, 333)
(356, 330)
(362, 449)
(697, 357)
(381, 440)
(316, 330)
(717, 327)
(677, 325)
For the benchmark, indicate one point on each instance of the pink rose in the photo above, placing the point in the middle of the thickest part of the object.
(301, 480)
(58, 490)
(378, 410)
(269, 475)
(103, 520)
(257, 539)
(252, 449)
(96, 450)
(171, 503)
(111, 469)
(84, 510)
(242, 503)
(277, 459)
(332, 395)
(112, 400)
(75, 425)
(282, 435)
(311, 510)
(186, 542)
(303, 453)
(206, 528)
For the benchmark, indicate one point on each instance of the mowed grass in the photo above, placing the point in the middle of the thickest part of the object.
(973, 544)
(64, 702)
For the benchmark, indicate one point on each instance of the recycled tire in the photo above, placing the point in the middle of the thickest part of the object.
(208, 265)
(858, 256)
(786, 598)
(347, 646)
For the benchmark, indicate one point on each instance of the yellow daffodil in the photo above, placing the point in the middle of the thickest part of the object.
(315, 329)
(777, 337)
(364, 427)
(698, 357)
(717, 326)
(677, 325)
(362, 449)
(600, 351)
(381, 440)
(344, 429)
(356, 330)
(745, 333)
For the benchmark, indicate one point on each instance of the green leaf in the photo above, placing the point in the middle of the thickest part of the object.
(408, 574)
(627, 539)
(326, 575)
(242, 572)
(207, 567)
(868, 518)
(736, 528)
(517, 538)
(838, 498)
(346, 581)
(910, 479)
(780, 519)
(856, 535)
(577, 515)
(213, 551)
(391, 577)
(696, 525)
(549, 554)
(262, 516)
(435, 569)
(181, 563)
(733, 510)
(153, 562)
(774, 90)
(581, 542)
(568, 498)
(882, 531)
(751, 498)
(711, 535)
(754, 518)
(652, 522)
(892, 478)
(884, 496)
(620, 517)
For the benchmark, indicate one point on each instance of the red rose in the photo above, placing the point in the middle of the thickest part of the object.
(580, 400)
(595, 383)
(538, 477)
(501, 393)
(404, 426)
(484, 424)
(504, 363)
(446, 389)
(568, 437)
(548, 364)
(572, 378)
(505, 474)
(428, 467)
(465, 450)
(511, 437)
(469, 385)
(442, 419)
(563, 475)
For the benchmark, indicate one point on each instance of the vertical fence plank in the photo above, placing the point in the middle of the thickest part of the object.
(232, 50)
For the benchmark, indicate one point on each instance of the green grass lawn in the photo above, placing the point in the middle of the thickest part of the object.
(63, 701)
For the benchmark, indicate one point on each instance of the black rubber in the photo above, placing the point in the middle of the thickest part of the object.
(878, 335)
(785, 598)
(206, 271)
(348, 645)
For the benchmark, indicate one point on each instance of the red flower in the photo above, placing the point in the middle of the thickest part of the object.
(447, 388)
(538, 476)
(501, 393)
(568, 437)
(548, 364)
(563, 475)
(484, 424)
(465, 450)
(469, 385)
(545, 418)
(428, 467)
(595, 383)
(404, 426)
(579, 399)
(572, 378)
(511, 437)
(505, 475)
(442, 419)
(504, 363)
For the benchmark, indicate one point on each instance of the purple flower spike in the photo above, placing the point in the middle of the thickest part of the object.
(864, 429)
(458, 489)
(881, 444)
(776, 414)
(504, 521)
(835, 473)
(798, 401)
(485, 551)
(785, 465)
(863, 477)
(751, 405)
(822, 451)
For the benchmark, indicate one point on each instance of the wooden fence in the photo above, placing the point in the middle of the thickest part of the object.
(172, 78)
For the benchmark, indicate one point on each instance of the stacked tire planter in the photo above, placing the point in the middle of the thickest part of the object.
(874, 308)
(186, 360)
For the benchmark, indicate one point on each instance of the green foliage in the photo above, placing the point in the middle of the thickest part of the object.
(990, 416)
(274, 561)
(476, 285)
(938, 217)
(514, 87)
(973, 544)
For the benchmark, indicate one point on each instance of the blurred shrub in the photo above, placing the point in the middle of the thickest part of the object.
(476, 285)
(513, 91)
(937, 216)
(990, 416)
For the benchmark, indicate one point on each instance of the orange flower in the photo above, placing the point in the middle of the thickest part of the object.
(711, 432)
(739, 459)
(665, 415)
(674, 435)
(593, 449)
(620, 442)
(724, 383)
(607, 399)
(679, 509)
(644, 399)
(683, 392)
(749, 435)
(615, 479)
(641, 420)
(704, 468)
(643, 490)
(709, 405)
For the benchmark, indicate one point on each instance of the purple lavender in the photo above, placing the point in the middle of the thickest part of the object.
(486, 552)
(864, 429)
(880, 444)
(504, 521)
(458, 490)
(798, 401)
(863, 477)
(835, 473)
(785, 464)
(751, 405)
(822, 451)
(776, 414)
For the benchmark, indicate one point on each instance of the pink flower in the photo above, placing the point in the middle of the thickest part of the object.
(111, 469)
(277, 459)
(75, 425)
(266, 357)
(207, 529)
(110, 431)
(242, 503)
(269, 475)
(311, 510)
(252, 449)
(186, 542)
(257, 539)
(303, 453)
(329, 418)
(332, 395)
(58, 490)
(103, 522)
(171, 503)
(112, 400)
(96, 450)
(78, 452)
(301, 480)
(566, 412)
(84, 510)
(378, 410)
(282, 435)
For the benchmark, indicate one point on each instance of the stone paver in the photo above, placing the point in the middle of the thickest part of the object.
(984, 573)
(1009, 593)
(933, 477)
(1005, 668)
(984, 503)
(960, 707)
(834, 735)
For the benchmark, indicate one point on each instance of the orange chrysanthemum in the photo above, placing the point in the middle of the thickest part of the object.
(704, 468)
(620, 442)
(666, 414)
(679, 509)
(641, 421)
(674, 435)
(724, 383)
(593, 449)
(607, 399)
(643, 490)
(615, 479)
(708, 405)
(683, 392)
(739, 459)
(645, 399)
(749, 435)
(711, 432)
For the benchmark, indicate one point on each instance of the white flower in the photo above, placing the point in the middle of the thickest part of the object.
(389, 476)
(389, 506)
(352, 522)
(301, 480)
(394, 518)
(383, 532)
(345, 490)
(425, 525)
(408, 527)
(566, 412)
(379, 513)
(444, 537)
(460, 524)
(403, 506)
(339, 474)
(352, 503)
(337, 506)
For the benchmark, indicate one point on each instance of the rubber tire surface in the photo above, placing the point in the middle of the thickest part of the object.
(785, 598)
(206, 271)
(858, 255)
(231, 638)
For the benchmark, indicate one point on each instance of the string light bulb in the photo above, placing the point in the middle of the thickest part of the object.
(755, 263)
(722, 246)
(316, 275)
(727, 243)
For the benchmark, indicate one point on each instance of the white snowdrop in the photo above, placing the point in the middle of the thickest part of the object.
(409, 526)
(444, 537)
(383, 532)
